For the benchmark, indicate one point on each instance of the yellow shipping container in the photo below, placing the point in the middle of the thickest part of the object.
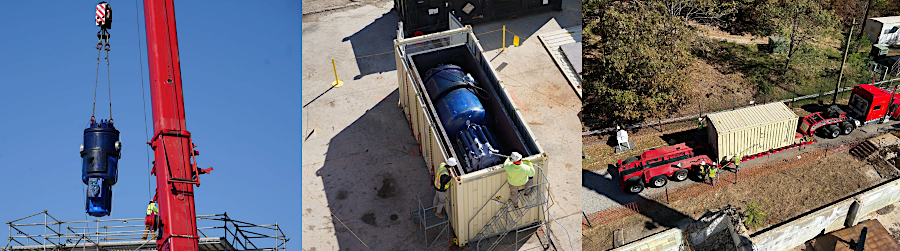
(469, 197)
(751, 130)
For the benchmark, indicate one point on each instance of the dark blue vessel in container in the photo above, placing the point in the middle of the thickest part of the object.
(453, 96)
(100, 155)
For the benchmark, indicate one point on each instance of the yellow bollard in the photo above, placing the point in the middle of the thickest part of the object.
(504, 39)
(336, 83)
(515, 41)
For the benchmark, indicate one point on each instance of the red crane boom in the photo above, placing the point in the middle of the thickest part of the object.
(175, 165)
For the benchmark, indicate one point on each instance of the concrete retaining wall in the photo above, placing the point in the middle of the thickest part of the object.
(831, 217)
(669, 240)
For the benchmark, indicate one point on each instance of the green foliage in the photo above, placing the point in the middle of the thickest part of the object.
(800, 21)
(637, 58)
(753, 216)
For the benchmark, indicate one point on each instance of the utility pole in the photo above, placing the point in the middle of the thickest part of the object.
(841, 76)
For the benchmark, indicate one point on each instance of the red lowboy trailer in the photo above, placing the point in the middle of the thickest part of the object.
(868, 104)
(655, 167)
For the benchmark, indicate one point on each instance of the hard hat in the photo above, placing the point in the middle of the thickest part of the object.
(515, 157)
(451, 162)
(618, 128)
(703, 162)
(700, 118)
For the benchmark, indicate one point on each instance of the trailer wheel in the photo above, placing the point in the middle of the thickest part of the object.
(635, 187)
(681, 175)
(659, 181)
(833, 131)
(846, 128)
(629, 160)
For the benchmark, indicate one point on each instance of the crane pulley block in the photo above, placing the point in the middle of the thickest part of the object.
(103, 16)
(100, 155)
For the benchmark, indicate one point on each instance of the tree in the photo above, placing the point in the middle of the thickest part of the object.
(753, 216)
(637, 58)
(800, 21)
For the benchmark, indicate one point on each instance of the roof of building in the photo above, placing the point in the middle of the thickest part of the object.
(877, 238)
(750, 116)
(887, 20)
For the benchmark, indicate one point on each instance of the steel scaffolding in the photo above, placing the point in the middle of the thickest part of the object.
(118, 234)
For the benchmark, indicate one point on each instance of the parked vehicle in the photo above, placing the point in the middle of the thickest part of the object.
(756, 131)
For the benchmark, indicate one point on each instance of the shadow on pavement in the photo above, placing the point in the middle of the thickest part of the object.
(370, 178)
(375, 38)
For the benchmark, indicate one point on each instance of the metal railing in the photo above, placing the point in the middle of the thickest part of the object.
(53, 234)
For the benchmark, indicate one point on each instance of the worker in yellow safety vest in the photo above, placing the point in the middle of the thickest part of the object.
(712, 174)
(441, 184)
(704, 170)
(518, 174)
(151, 219)
(737, 167)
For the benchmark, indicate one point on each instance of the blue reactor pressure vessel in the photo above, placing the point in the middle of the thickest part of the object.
(100, 155)
(452, 93)
(463, 116)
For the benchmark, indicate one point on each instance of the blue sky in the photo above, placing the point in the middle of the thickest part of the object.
(240, 66)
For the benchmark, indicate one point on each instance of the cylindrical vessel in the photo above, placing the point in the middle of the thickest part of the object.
(453, 97)
(100, 155)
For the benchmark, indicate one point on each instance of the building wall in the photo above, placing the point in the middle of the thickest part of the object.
(880, 33)
(826, 219)
(669, 240)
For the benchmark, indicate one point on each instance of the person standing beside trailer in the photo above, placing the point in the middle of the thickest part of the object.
(737, 167)
(518, 175)
(441, 183)
(704, 170)
(712, 174)
(699, 129)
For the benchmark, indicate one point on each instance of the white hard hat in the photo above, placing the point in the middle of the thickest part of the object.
(515, 156)
(451, 162)
(703, 162)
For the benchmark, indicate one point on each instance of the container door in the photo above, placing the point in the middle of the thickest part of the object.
(454, 22)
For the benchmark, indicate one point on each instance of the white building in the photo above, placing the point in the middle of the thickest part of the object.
(883, 30)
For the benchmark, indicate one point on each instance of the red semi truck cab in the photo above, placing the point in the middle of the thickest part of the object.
(656, 166)
(869, 103)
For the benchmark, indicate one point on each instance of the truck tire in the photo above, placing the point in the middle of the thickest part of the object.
(659, 181)
(846, 128)
(680, 175)
(833, 131)
(634, 187)
(629, 160)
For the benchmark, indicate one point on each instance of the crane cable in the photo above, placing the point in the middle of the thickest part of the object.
(102, 44)
(143, 100)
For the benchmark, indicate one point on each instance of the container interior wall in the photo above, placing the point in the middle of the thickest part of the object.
(423, 126)
(472, 207)
(755, 139)
(501, 123)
